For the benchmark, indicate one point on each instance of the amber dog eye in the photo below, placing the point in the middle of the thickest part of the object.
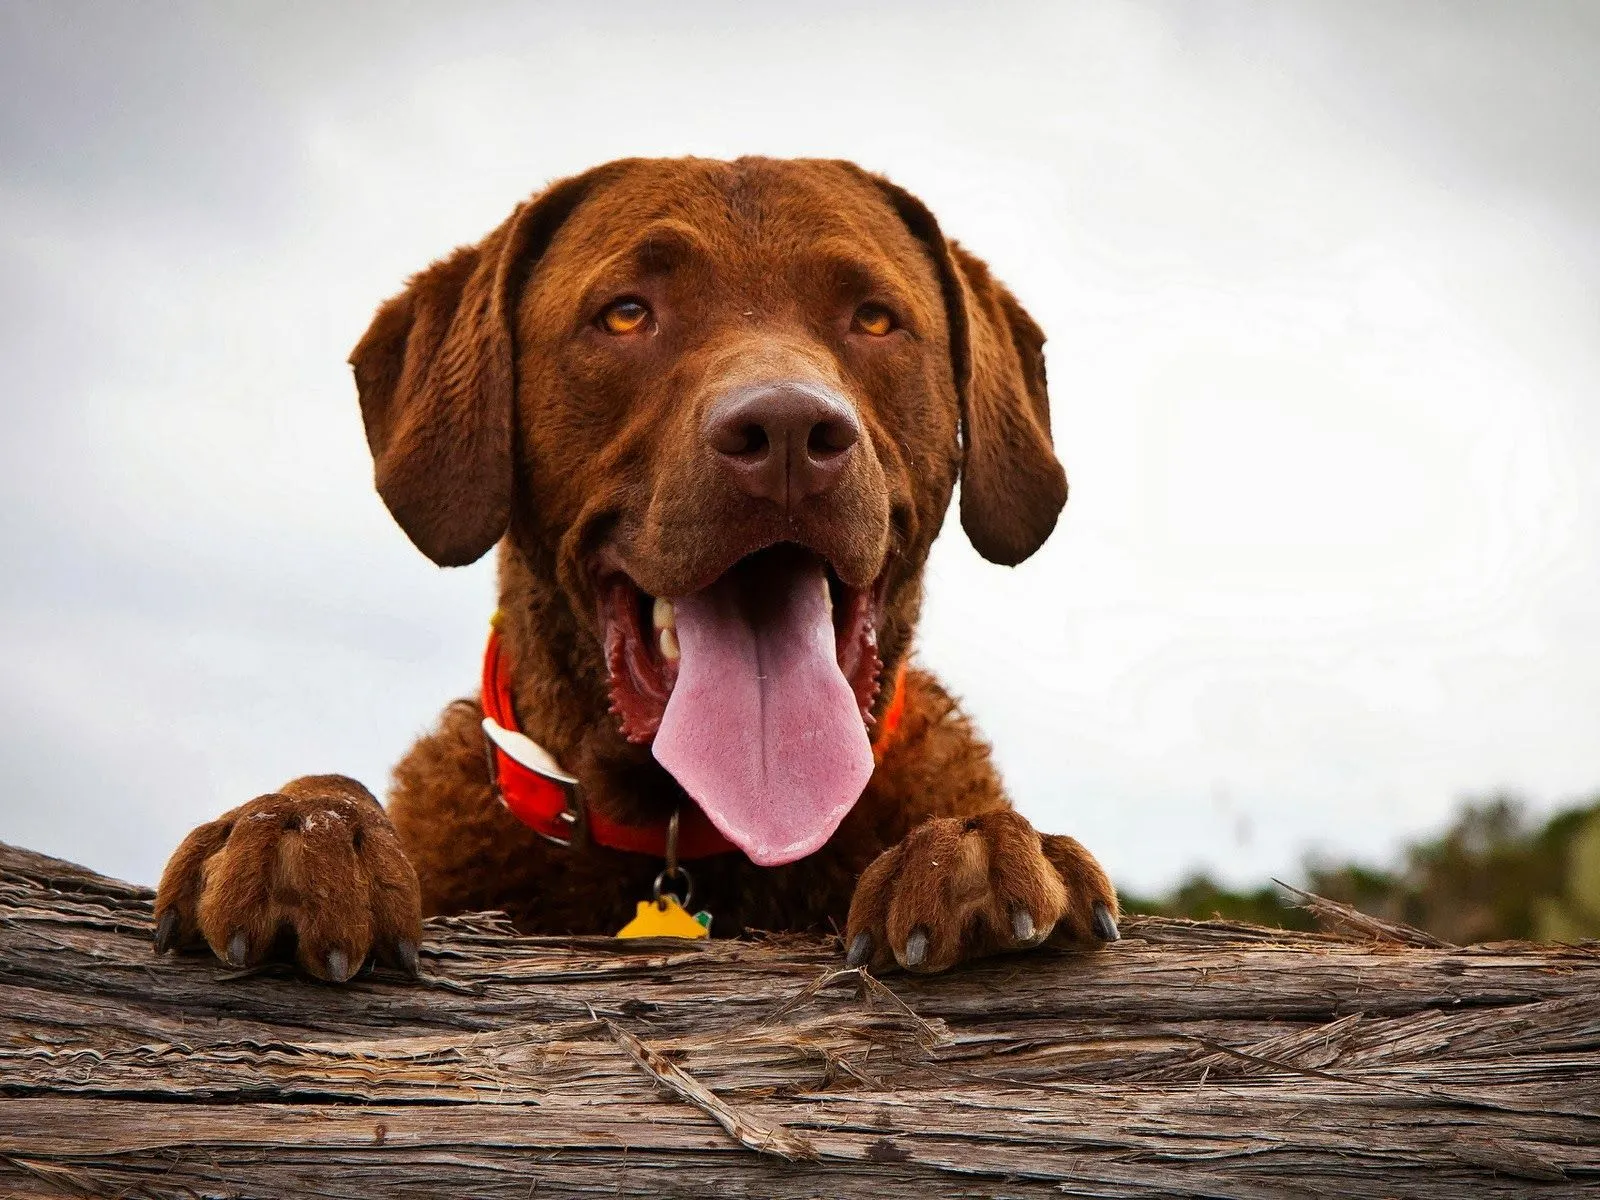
(624, 316)
(874, 320)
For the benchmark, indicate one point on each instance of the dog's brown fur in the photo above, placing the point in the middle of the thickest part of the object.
(497, 412)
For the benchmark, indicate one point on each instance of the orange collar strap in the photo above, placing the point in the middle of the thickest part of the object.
(889, 727)
(532, 785)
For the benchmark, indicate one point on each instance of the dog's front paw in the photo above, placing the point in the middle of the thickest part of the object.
(957, 889)
(313, 873)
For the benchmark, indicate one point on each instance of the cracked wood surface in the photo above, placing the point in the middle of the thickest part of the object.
(1193, 1059)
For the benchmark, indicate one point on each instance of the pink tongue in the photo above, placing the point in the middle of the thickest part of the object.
(762, 729)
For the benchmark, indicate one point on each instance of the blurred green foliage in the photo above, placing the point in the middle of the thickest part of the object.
(1494, 874)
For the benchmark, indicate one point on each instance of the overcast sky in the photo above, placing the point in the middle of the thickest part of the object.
(1322, 286)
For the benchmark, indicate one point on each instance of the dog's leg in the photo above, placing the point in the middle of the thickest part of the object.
(970, 876)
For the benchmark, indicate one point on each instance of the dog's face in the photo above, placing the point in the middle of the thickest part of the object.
(724, 406)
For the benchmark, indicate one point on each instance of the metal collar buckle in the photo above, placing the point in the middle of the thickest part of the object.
(535, 758)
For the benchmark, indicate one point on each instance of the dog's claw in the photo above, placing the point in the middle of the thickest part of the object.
(860, 950)
(238, 950)
(1022, 925)
(1105, 926)
(916, 947)
(338, 965)
(166, 931)
(406, 951)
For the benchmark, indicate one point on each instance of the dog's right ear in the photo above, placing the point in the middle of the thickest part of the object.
(436, 372)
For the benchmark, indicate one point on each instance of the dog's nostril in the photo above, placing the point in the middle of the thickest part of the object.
(832, 437)
(736, 439)
(752, 441)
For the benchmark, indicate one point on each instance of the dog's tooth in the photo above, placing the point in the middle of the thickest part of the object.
(827, 594)
(662, 616)
(669, 644)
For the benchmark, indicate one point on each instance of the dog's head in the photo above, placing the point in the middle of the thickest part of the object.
(721, 408)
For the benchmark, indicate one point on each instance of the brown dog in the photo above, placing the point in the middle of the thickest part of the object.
(713, 413)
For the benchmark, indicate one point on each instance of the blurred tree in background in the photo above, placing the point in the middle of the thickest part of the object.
(1493, 874)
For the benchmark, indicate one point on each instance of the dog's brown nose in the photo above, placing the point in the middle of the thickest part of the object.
(783, 442)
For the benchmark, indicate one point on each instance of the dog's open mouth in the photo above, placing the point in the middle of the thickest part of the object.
(754, 692)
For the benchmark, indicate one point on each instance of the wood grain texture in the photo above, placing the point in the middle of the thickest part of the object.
(1190, 1058)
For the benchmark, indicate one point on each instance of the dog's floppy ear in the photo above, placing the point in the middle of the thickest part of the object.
(1012, 485)
(437, 378)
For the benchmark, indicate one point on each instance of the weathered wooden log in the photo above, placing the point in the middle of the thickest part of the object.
(1190, 1058)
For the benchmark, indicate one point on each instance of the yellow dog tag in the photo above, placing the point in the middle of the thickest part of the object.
(666, 918)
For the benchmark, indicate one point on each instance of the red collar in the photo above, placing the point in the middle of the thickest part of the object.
(545, 798)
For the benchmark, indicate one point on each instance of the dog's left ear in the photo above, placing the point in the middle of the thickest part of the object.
(1012, 485)
(437, 379)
